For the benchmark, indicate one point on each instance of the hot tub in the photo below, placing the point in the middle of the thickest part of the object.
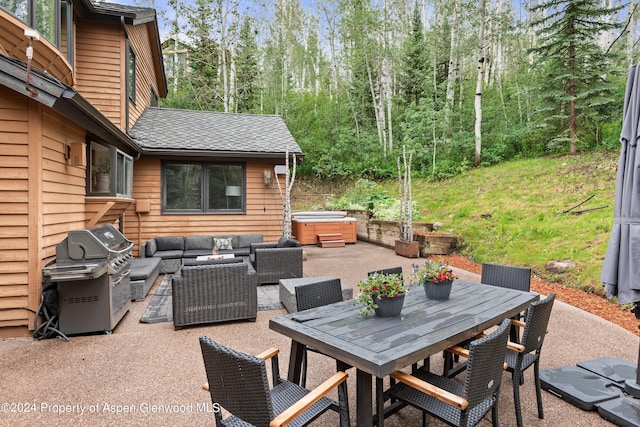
(307, 225)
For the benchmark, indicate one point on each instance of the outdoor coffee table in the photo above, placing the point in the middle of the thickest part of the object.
(288, 293)
(378, 346)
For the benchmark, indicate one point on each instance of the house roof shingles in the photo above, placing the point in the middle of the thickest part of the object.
(173, 131)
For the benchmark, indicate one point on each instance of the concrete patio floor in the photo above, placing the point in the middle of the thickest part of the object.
(149, 374)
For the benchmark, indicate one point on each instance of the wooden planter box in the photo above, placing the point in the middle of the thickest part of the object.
(407, 249)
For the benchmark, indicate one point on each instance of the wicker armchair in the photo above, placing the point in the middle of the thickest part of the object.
(273, 263)
(214, 293)
(232, 374)
(454, 403)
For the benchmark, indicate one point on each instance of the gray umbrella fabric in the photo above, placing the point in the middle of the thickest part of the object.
(621, 269)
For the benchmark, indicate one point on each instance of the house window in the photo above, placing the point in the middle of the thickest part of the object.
(110, 171)
(154, 98)
(131, 74)
(203, 188)
(52, 18)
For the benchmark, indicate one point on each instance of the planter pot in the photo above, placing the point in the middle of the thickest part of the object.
(103, 182)
(407, 249)
(389, 307)
(437, 291)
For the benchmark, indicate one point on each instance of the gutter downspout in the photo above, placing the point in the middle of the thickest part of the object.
(126, 72)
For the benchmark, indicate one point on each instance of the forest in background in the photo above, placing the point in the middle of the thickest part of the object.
(459, 83)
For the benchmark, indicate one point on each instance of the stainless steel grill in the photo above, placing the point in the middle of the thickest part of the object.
(92, 274)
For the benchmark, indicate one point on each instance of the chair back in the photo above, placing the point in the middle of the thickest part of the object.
(387, 271)
(231, 375)
(506, 276)
(485, 365)
(317, 294)
(536, 321)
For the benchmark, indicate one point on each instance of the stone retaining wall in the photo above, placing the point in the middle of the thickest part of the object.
(385, 233)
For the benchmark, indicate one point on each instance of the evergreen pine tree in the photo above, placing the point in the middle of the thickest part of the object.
(413, 79)
(575, 68)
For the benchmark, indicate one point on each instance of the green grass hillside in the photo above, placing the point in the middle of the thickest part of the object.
(512, 213)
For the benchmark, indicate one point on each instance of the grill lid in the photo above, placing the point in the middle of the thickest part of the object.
(98, 243)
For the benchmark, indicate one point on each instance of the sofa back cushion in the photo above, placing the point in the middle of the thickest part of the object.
(150, 247)
(170, 243)
(198, 242)
(245, 240)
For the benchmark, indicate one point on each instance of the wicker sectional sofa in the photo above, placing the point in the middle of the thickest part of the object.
(174, 249)
(214, 291)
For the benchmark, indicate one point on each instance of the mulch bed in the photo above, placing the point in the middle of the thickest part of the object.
(580, 299)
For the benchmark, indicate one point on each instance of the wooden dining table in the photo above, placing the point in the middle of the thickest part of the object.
(378, 346)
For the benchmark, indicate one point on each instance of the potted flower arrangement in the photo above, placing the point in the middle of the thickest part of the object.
(383, 294)
(436, 278)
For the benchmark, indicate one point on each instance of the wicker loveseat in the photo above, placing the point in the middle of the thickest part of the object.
(214, 291)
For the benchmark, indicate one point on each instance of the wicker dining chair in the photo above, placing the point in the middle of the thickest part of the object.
(504, 276)
(507, 276)
(526, 353)
(238, 383)
(520, 356)
(450, 401)
(314, 295)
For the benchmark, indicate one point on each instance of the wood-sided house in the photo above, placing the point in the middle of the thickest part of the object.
(82, 142)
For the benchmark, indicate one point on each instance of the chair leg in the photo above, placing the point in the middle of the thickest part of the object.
(448, 364)
(495, 421)
(303, 369)
(536, 373)
(343, 399)
(515, 380)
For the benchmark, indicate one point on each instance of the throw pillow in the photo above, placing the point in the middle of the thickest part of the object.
(285, 242)
(282, 242)
(223, 245)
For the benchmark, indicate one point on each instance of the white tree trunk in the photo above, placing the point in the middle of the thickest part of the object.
(478, 97)
(378, 108)
(406, 196)
(286, 195)
(453, 65)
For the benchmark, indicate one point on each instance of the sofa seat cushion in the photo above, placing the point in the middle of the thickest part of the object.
(173, 254)
(198, 243)
(170, 243)
(142, 268)
(193, 253)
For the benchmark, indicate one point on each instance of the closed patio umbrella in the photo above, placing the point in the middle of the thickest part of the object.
(621, 269)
